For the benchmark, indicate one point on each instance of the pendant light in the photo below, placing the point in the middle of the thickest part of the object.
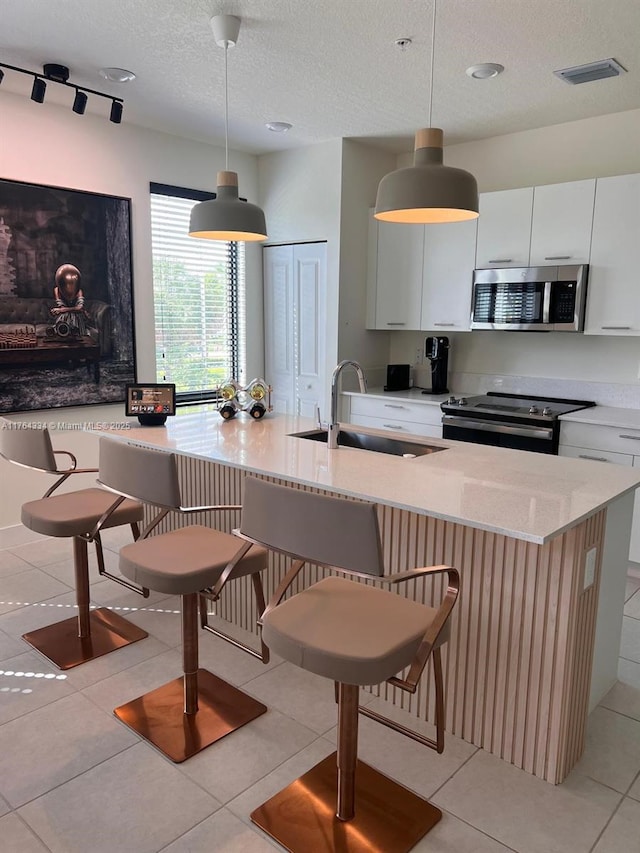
(428, 191)
(226, 217)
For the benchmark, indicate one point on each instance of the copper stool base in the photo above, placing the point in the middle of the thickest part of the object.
(61, 644)
(159, 717)
(388, 817)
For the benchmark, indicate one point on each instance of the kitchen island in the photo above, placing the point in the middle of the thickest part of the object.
(539, 542)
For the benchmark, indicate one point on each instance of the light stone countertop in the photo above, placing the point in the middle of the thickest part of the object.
(529, 496)
(606, 416)
(412, 395)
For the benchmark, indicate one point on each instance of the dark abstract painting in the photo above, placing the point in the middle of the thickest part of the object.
(66, 297)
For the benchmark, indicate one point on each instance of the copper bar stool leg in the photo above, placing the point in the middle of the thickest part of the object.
(90, 634)
(190, 651)
(347, 749)
(437, 672)
(81, 569)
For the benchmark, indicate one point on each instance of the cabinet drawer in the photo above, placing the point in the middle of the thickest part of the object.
(391, 424)
(596, 455)
(378, 407)
(598, 437)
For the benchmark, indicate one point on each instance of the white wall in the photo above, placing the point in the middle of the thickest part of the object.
(299, 191)
(596, 147)
(362, 169)
(48, 144)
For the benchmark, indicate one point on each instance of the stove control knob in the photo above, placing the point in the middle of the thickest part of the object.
(533, 410)
(547, 411)
(451, 401)
(462, 401)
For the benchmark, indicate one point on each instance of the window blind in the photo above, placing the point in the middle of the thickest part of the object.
(199, 299)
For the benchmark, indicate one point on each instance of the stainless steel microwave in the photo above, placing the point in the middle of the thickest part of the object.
(530, 299)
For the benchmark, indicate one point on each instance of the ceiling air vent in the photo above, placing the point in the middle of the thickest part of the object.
(591, 71)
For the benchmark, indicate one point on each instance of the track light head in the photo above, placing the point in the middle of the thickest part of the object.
(116, 112)
(79, 102)
(1, 75)
(38, 90)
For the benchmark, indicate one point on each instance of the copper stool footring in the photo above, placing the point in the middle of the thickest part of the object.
(188, 714)
(344, 806)
(90, 634)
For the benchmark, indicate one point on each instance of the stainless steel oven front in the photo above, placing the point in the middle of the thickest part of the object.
(521, 436)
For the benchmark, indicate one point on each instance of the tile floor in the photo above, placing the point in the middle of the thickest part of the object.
(74, 780)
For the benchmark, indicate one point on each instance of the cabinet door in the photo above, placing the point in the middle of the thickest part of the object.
(278, 327)
(504, 228)
(295, 326)
(398, 276)
(613, 305)
(449, 254)
(562, 221)
(309, 281)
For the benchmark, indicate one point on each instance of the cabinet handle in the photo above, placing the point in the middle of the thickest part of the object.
(391, 406)
(501, 261)
(632, 437)
(557, 257)
(595, 458)
(393, 426)
(622, 328)
(444, 324)
(396, 324)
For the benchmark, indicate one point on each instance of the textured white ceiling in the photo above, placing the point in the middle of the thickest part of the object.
(331, 68)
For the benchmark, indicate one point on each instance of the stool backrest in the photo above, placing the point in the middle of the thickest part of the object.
(26, 445)
(316, 528)
(137, 472)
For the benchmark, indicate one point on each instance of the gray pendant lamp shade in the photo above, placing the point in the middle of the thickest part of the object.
(226, 217)
(427, 192)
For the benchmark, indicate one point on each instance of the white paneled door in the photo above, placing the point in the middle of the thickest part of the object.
(295, 326)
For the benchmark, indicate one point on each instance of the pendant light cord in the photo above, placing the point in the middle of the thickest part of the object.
(226, 109)
(433, 51)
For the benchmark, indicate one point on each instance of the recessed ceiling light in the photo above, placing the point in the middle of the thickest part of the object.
(485, 70)
(117, 75)
(278, 126)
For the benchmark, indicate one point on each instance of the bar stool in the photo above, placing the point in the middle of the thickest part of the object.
(192, 712)
(79, 515)
(354, 634)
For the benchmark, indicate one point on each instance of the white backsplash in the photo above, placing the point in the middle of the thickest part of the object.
(602, 393)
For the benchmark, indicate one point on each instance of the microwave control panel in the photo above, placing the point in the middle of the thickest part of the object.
(563, 302)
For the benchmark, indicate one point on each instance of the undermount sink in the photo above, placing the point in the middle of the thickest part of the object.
(377, 443)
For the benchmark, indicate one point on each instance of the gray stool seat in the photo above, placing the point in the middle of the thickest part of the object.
(77, 513)
(187, 560)
(81, 516)
(349, 632)
(190, 713)
(355, 634)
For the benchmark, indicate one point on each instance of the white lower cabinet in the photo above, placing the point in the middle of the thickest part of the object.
(617, 445)
(417, 419)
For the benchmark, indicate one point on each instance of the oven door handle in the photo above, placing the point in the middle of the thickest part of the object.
(499, 426)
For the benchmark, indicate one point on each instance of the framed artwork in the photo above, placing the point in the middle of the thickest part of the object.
(66, 298)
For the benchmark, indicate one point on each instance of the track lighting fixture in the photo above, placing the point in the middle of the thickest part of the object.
(54, 73)
(116, 112)
(79, 103)
(38, 90)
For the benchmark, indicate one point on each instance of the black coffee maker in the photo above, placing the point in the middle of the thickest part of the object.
(437, 351)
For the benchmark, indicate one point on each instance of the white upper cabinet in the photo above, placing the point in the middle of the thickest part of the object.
(562, 220)
(504, 228)
(394, 287)
(449, 254)
(613, 294)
